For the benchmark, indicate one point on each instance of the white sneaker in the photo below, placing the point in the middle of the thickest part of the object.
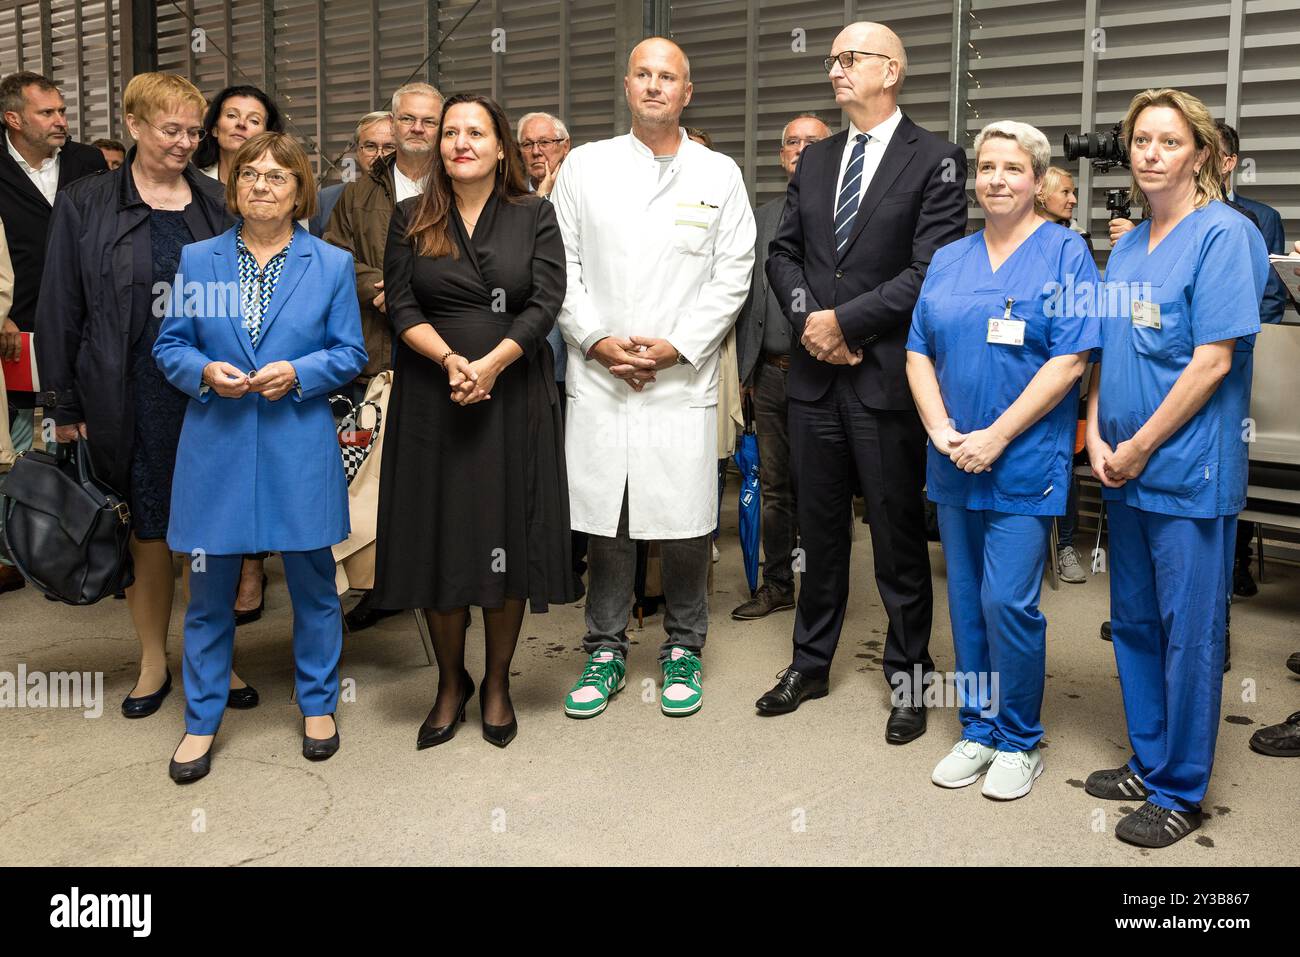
(1012, 774)
(1068, 567)
(717, 555)
(963, 764)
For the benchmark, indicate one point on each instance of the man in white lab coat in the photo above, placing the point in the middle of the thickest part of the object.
(660, 243)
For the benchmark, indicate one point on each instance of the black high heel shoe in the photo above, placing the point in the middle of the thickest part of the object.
(147, 704)
(241, 699)
(501, 734)
(183, 772)
(247, 617)
(431, 734)
(320, 749)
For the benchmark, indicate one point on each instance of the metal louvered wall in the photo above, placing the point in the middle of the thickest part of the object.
(1059, 64)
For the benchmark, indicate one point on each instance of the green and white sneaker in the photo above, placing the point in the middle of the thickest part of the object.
(963, 765)
(683, 694)
(604, 677)
(1012, 774)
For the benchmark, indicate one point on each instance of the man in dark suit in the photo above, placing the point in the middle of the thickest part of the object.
(865, 212)
(37, 159)
(764, 340)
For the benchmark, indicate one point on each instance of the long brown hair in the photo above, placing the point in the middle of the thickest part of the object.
(430, 227)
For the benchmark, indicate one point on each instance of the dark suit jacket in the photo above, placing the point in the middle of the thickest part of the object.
(760, 308)
(1273, 306)
(916, 202)
(26, 216)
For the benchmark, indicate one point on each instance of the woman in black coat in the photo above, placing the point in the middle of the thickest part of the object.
(473, 498)
(114, 244)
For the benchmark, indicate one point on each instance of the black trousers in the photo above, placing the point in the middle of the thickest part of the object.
(839, 446)
(779, 530)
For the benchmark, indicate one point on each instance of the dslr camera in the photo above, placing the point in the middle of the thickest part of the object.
(1104, 150)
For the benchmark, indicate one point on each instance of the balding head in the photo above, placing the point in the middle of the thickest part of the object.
(869, 86)
(658, 84)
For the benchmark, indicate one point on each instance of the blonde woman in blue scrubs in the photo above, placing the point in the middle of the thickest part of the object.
(1000, 337)
(1166, 438)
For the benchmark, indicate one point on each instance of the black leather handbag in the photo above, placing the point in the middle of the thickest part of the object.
(67, 532)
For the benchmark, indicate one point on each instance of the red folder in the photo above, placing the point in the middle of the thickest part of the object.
(20, 375)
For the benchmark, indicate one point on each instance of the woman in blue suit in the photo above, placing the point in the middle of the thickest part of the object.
(258, 468)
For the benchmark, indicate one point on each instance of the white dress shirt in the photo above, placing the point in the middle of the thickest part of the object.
(405, 186)
(46, 179)
(872, 153)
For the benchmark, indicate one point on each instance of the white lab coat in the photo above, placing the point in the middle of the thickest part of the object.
(670, 259)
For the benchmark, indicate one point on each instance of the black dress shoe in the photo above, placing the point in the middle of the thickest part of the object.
(1278, 740)
(183, 772)
(241, 699)
(433, 734)
(791, 691)
(1294, 662)
(905, 724)
(146, 705)
(319, 749)
(501, 734)
(247, 617)
(1243, 582)
(363, 614)
(1105, 631)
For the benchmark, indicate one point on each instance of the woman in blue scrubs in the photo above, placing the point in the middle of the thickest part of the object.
(1167, 428)
(1000, 337)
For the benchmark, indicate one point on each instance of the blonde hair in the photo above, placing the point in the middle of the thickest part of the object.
(149, 94)
(1051, 183)
(284, 149)
(1205, 135)
(1028, 138)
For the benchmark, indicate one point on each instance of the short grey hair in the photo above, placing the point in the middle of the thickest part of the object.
(1028, 138)
(371, 118)
(555, 121)
(408, 88)
(802, 116)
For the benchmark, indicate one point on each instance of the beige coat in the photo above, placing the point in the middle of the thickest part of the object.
(355, 557)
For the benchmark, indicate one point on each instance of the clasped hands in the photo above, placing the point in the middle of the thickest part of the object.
(273, 380)
(973, 452)
(470, 382)
(1114, 467)
(634, 359)
(824, 340)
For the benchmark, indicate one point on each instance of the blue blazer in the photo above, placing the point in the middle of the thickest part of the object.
(254, 475)
(1273, 305)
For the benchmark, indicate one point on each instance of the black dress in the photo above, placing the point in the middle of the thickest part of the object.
(159, 406)
(474, 500)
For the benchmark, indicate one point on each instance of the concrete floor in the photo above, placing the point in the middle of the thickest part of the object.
(630, 787)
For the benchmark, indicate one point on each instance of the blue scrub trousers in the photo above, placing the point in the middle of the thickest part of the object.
(1167, 579)
(995, 576)
(210, 636)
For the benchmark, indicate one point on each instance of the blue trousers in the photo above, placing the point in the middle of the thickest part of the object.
(995, 575)
(1168, 576)
(210, 636)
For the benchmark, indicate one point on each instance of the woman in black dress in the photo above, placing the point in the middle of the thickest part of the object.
(473, 497)
(115, 240)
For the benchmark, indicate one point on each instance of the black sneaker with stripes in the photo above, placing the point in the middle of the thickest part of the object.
(1154, 826)
(1117, 784)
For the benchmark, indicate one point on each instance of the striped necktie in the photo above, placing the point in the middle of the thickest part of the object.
(846, 203)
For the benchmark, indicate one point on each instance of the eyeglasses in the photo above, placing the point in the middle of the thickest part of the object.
(527, 145)
(846, 58)
(793, 141)
(275, 178)
(386, 149)
(406, 120)
(174, 134)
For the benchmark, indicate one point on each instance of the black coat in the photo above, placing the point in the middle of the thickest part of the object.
(89, 315)
(916, 202)
(26, 216)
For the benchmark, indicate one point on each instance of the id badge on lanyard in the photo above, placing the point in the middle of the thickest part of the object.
(1005, 331)
(1145, 313)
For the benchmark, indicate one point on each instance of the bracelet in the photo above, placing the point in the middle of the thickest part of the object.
(447, 355)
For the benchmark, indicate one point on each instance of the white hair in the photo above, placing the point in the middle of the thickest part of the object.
(1028, 138)
(370, 118)
(555, 121)
(409, 88)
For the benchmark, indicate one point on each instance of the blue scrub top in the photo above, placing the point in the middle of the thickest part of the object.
(979, 380)
(1207, 276)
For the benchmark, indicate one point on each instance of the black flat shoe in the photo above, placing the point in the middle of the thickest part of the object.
(1294, 662)
(183, 772)
(320, 749)
(905, 724)
(501, 734)
(791, 691)
(363, 614)
(146, 705)
(241, 699)
(432, 734)
(1105, 631)
(247, 617)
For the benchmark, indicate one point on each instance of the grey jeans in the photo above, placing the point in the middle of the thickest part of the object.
(612, 580)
